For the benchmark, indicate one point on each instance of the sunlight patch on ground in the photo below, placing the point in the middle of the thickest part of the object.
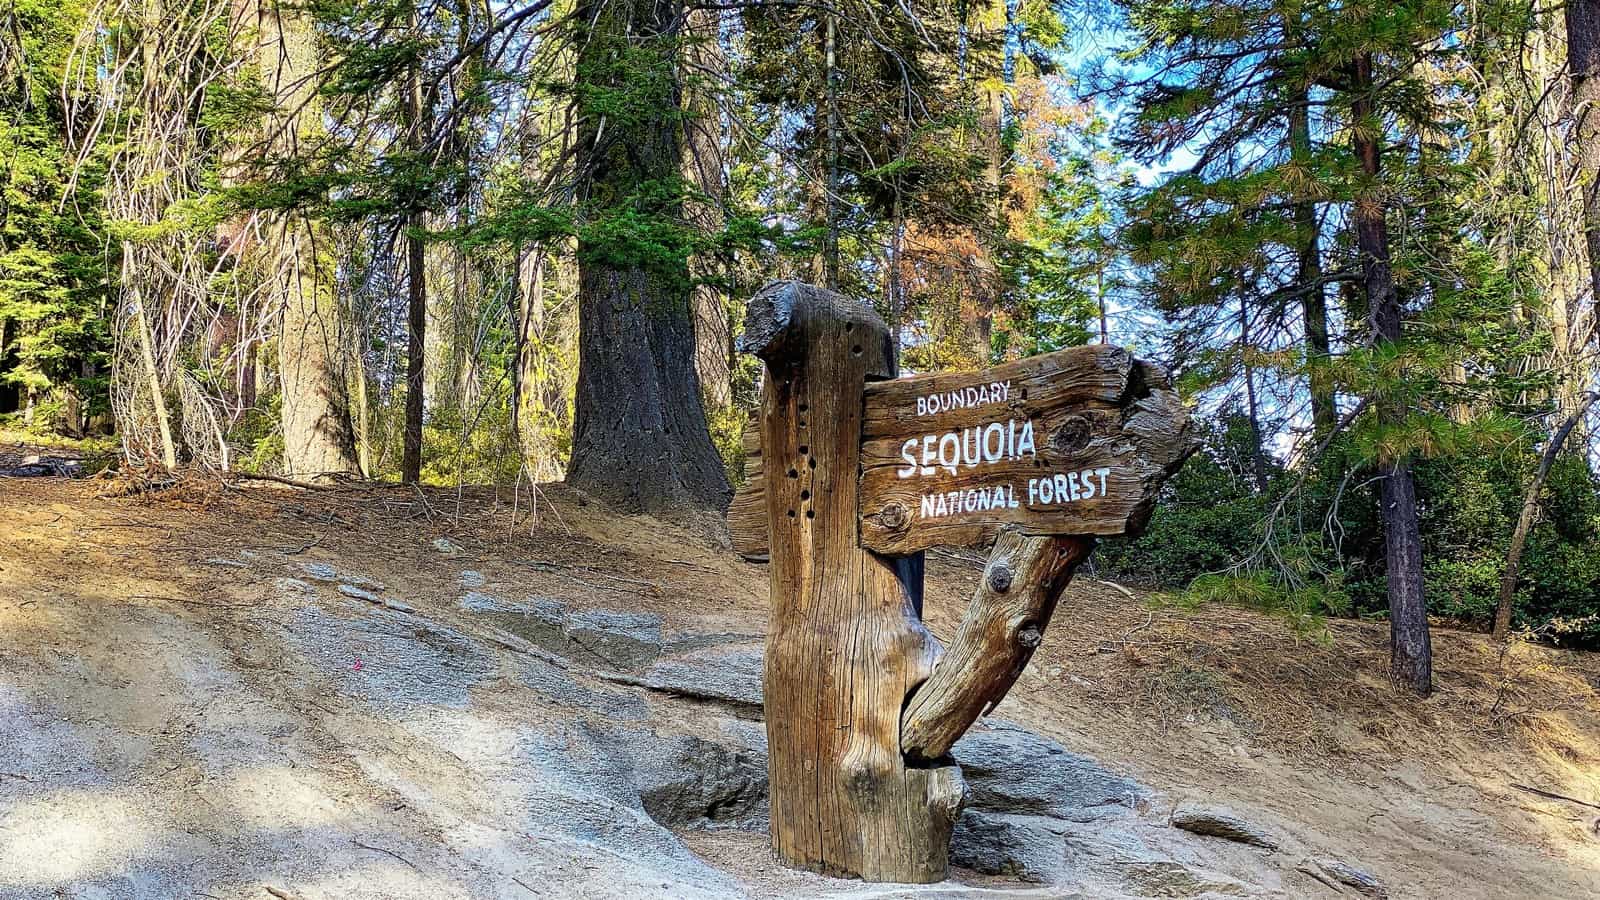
(281, 797)
(73, 834)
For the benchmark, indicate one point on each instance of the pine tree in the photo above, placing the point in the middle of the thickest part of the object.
(52, 282)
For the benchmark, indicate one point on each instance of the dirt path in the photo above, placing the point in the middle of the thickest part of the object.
(228, 692)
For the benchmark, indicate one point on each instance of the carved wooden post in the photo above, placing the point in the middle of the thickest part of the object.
(1045, 452)
(844, 647)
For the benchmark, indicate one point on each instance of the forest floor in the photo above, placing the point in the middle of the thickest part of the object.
(164, 696)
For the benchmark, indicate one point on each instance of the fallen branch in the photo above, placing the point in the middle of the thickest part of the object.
(1117, 587)
(1551, 795)
(1530, 505)
(188, 600)
(387, 851)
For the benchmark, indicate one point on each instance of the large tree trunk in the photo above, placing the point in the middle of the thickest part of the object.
(1258, 457)
(1410, 645)
(702, 169)
(413, 112)
(1313, 300)
(1583, 60)
(318, 439)
(532, 408)
(640, 440)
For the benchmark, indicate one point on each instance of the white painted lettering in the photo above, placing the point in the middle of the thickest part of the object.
(950, 460)
(994, 442)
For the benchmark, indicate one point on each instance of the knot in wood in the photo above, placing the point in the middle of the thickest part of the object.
(1072, 435)
(1030, 636)
(895, 516)
(1000, 578)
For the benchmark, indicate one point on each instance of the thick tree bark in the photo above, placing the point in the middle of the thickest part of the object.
(1258, 457)
(1410, 645)
(413, 113)
(1314, 299)
(1530, 505)
(416, 350)
(318, 437)
(1583, 61)
(640, 440)
(703, 170)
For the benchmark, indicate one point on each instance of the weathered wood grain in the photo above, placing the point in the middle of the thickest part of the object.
(844, 647)
(747, 514)
(1090, 408)
(1106, 431)
(1002, 627)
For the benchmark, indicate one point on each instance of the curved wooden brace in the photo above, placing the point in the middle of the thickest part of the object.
(1002, 627)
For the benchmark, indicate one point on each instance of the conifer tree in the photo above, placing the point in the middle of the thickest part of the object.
(318, 435)
(52, 285)
(640, 439)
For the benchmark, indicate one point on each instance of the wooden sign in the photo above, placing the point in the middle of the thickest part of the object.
(852, 473)
(1074, 442)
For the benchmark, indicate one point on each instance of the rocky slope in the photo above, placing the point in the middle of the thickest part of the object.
(226, 693)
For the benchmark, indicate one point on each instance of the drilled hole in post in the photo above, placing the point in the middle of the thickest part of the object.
(793, 474)
(804, 449)
(856, 350)
(803, 407)
(811, 514)
(791, 513)
(812, 463)
(805, 495)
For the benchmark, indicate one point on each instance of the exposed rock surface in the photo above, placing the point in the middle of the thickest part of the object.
(622, 640)
(1223, 823)
(730, 675)
(1339, 874)
(37, 466)
(1031, 848)
(689, 780)
(486, 747)
(1011, 769)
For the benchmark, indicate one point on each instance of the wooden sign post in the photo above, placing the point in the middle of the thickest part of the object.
(853, 476)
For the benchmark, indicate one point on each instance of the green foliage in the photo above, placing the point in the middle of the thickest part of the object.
(1474, 501)
(1305, 609)
(1207, 518)
(53, 338)
(1326, 556)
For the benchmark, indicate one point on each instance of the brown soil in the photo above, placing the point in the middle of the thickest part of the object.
(1222, 706)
